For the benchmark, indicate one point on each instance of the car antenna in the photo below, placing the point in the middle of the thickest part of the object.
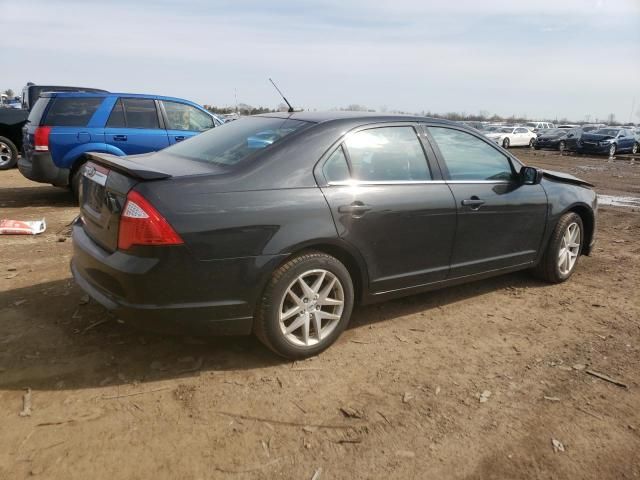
(291, 110)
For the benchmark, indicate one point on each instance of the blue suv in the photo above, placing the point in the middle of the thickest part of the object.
(62, 127)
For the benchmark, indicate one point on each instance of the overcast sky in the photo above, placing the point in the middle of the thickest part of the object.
(542, 58)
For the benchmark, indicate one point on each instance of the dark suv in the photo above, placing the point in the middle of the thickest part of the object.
(63, 127)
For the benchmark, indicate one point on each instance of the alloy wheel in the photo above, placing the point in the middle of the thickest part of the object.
(562, 147)
(612, 150)
(634, 150)
(311, 308)
(5, 154)
(505, 143)
(569, 248)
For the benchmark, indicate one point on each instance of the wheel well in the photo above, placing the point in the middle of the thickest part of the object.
(586, 215)
(357, 274)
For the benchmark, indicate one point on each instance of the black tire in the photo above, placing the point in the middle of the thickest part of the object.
(613, 149)
(635, 148)
(548, 268)
(267, 322)
(536, 147)
(505, 143)
(562, 146)
(532, 143)
(8, 154)
(74, 181)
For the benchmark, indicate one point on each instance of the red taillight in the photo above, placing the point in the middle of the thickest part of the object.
(41, 139)
(141, 224)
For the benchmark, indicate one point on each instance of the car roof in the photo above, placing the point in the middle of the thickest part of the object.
(372, 117)
(112, 94)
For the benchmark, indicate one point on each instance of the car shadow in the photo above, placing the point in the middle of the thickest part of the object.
(50, 338)
(37, 195)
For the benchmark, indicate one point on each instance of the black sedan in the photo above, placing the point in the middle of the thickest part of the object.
(562, 139)
(278, 224)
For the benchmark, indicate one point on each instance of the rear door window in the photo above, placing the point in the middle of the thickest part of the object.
(71, 112)
(181, 116)
(116, 119)
(336, 168)
(387, 154)
(140, 113)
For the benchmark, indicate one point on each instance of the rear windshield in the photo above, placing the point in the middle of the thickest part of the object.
(36, 112)
(71, 112)
(233, 142)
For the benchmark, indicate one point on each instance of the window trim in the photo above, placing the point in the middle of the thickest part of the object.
(513, 162)
(126, 120)
(429, 154)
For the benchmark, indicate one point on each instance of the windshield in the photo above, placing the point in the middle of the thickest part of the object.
(233, 142)
(607, 131)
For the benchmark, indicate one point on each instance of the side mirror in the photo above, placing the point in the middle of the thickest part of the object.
(530, 175)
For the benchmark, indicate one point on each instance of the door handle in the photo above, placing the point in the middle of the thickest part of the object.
(120, 138)
(355, 208)
(179, 138)
(473, 202)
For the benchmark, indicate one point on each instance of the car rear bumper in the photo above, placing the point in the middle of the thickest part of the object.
(171, 293)
(39, 167)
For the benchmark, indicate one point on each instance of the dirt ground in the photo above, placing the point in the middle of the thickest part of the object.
(400, 395)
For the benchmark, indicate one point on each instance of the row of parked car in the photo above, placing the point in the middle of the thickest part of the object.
(594, 139)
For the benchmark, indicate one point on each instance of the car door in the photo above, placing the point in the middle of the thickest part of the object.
(184, 121)
(571, 139)
(391, 205)
(522, 136)
(500, 221)
(625, 140)
(134, 126)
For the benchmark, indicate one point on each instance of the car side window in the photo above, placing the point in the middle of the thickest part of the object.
(71, 112)
(469, 158)
(186, 117)
(116, 118)
(140, 113)
(387, 154)
(521, 130)
(336, 168)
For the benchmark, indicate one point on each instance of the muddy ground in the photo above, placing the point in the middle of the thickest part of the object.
(111, 402)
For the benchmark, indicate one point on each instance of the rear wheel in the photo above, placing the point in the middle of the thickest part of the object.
(306, 306)
(505, 143)
(8, 154)
(74, 181)
(563, 250)
(532, 143)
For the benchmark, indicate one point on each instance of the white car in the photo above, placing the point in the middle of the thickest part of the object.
(513, 137)
(535, 126)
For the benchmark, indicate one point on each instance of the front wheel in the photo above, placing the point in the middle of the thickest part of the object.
(563, 250)
(562, 146)
(505, 143)
(8, 154)
(306, 306)
(635, 148)
(612, 149)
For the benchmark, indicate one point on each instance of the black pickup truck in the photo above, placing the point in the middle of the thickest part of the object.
(12, 120)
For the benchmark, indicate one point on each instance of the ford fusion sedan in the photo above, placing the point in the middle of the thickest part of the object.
(560, 139)
(279, 224)
(609, 141)
(513, 137)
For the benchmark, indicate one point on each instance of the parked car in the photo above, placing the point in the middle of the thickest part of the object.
(63, 127)
(12, 121)
(609, 141)
(537, 126)
(224, 235)
(512, 137)
(559, 139)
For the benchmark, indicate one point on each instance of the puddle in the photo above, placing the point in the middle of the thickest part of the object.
(616, 201)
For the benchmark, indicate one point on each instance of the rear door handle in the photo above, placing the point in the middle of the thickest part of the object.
(355, 208)
(179, 138)
(120, 138)
(473, 202)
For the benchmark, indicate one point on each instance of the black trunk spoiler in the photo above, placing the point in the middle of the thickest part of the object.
(565, 177)
(126, 166)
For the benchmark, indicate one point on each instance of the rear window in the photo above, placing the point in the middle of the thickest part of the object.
(236, 141)
(71, 112)
(38, 109)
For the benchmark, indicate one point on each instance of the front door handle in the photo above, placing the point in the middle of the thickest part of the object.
(120, 138)
(179, 138)
(473, 202)
(355, 208)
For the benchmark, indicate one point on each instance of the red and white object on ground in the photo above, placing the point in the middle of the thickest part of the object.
(18, 227)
